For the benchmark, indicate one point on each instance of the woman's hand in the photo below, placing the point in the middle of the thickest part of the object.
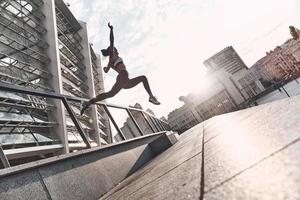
(105, 69)
(110, 26)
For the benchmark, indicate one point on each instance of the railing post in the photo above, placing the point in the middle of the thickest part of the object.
(134, 121)
(114, 123)
(3, 158)
(76, 123)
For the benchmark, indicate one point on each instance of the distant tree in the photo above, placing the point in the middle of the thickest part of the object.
(294, 32)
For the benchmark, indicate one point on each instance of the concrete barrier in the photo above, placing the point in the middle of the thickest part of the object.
(86, 174)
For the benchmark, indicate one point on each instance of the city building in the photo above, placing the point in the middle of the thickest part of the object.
(230, 84)
(211, 102)
(184, 117)
(43, 47)
(229, 69)
(226, 59)
(281, 63)
(261, 73)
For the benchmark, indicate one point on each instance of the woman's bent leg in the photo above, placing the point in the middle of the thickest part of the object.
(133, 82)
(114, 90)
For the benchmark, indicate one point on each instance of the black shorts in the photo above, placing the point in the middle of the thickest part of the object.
(122, 77)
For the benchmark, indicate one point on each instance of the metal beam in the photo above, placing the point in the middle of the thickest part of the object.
(114, 123)
(32, 151)
(3, 158)
(76, 123)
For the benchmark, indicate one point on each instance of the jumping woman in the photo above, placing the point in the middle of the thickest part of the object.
(123, 82)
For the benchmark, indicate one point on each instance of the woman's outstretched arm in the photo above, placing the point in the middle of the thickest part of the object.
(111, 36)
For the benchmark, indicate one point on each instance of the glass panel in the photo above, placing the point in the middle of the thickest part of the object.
(166, 126)
(104, 125)
(42, 138)
(156, 124)
(16, 138)
(124, 122)
(24, 119)
(151, 123)
(139, 118)
(72, 132)
(160, 124)
(85, 122)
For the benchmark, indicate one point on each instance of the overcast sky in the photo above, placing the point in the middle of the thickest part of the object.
(168, 40)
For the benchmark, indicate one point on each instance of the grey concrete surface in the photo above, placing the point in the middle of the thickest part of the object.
(27, 185)
(162, 178)
(243, 142)
(84, 175)
(249, 154)
(276, 177)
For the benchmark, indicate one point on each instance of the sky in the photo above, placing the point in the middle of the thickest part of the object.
(168, 40)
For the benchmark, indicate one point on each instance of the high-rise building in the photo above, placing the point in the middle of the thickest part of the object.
(43, 47)
(229, 69)
(231, 84)
(226, 59)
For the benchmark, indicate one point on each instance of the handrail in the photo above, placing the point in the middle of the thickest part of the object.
(65, 98)
(155, 124)
(18, 89)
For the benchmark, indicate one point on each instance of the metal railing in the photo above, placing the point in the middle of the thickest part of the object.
(138, 121)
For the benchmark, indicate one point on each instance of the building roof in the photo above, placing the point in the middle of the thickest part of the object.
(67, 13)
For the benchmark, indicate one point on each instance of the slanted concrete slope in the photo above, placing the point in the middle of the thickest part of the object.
(249, 154)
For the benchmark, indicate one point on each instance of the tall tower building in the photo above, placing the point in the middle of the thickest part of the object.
(226, 59)
(227, 68)
(44, 48)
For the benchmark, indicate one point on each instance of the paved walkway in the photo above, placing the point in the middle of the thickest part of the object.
(249, 154)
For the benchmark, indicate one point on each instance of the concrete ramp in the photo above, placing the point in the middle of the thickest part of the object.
(249, 154)
(87, 174)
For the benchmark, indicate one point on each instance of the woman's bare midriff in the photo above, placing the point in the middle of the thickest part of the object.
(120, 67)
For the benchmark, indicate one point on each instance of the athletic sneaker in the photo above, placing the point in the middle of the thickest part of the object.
(83, 107)
(154, 100)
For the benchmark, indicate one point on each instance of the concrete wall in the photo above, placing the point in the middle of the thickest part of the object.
(85, 174)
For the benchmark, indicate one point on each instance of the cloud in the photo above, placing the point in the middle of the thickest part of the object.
(168, 40)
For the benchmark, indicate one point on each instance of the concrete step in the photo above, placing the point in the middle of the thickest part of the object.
(86, 174)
